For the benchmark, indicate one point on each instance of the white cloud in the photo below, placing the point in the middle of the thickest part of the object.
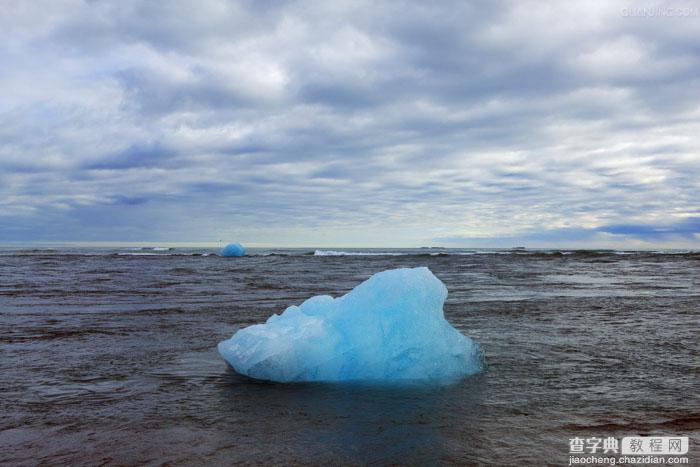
(305, 120)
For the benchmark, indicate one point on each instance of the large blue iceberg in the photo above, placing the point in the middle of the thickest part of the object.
(389, 328)
(232, 249)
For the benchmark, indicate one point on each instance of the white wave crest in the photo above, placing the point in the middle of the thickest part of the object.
(357, 253)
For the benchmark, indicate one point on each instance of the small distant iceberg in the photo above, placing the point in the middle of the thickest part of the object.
(232, 249)
(390, 328)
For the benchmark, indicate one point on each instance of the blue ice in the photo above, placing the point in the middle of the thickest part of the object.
(232, 249)
(389, 328)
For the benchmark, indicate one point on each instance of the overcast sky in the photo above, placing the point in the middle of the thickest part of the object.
(351, 123)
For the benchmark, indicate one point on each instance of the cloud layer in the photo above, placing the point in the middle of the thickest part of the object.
(349, 123)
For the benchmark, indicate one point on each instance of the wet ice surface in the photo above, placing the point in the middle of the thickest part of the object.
(388, 329)
(112, 358)
(232, 249)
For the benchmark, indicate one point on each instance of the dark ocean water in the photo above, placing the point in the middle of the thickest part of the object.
(108, 357)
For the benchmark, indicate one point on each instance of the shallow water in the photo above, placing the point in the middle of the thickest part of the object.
(108, 356)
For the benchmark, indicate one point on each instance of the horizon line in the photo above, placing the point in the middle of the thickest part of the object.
(169, 244)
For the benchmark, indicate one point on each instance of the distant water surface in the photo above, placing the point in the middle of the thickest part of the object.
(108, 356)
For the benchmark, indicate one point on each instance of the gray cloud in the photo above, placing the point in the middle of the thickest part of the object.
(338, 123)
